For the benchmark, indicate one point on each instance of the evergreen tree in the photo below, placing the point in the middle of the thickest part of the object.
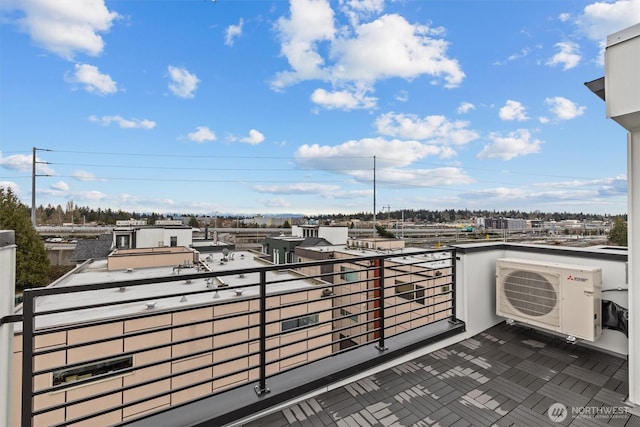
(193, 222)
(618, 233)
(384, 233)
(32, 264)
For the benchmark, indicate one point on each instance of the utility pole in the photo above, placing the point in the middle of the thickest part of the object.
(374, 196)
(33, 184)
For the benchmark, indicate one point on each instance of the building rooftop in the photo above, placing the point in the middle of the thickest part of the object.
(504, 376)
(163, 294)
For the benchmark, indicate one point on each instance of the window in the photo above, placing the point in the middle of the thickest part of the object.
(410, 292)
(353, 317)
(299, 322)
(348, 274)
(102, 368)
(123, 242)
(174, 241)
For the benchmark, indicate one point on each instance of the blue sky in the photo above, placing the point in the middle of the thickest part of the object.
(257, 106)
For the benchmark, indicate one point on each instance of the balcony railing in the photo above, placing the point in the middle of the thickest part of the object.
(120, 352)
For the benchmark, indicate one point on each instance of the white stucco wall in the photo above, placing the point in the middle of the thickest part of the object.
(476, 285)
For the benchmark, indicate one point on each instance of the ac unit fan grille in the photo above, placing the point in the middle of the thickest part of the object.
(530, 293)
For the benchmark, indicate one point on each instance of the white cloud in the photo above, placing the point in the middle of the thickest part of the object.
(57, 189)
(513, 110)
(311, 22)
(564, 17)
(393, 161)
(93, 81)
(60, 186)
(357, 155)
(596, 191)
(255, 137)
(563, 108)
(465, 107)
(275, 203)
(601, 18)
(24, 163)
(360, 9)
(122, 122)
(363, 53)
(515, 144)
(65, 28)
(568, 55)
(82, 175)
(202, 134)
(12, 186)
(350, 194)
(342, 99)
(402, 96)
(183, 83)
(299, 188)
(436, 129)
(392, 47)
(232, 32)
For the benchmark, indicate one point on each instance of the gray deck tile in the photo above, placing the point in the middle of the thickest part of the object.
(559, 394)
(559, 354)
(587, 375)
(522, 416)
(505, 376)
(633, 422)
(508, 388)
(591, 390)
(517, 350)
(473, 413)
(449, 420)
(532, 400)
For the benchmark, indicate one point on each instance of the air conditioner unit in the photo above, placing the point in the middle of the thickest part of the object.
(561, 298)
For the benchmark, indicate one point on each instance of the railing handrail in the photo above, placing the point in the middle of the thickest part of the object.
(371, 301)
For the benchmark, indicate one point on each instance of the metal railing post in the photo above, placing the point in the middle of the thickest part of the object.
(28, 323)
(454, 318)
(261, 388)
(381, 346)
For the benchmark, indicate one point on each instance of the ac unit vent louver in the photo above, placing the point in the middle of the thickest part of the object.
(530, 292)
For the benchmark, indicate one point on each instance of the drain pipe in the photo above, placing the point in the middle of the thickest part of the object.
(7, 288)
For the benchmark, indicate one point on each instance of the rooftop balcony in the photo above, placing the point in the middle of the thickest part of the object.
(363, 337)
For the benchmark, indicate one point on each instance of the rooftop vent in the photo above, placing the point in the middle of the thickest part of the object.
(150, 305)
(238, 292)
(122, 289)
(129, 270)
(183, 299)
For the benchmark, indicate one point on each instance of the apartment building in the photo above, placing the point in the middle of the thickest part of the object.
(129, 343)
(417, 287)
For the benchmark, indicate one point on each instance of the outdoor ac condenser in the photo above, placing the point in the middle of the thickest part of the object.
(561, 298)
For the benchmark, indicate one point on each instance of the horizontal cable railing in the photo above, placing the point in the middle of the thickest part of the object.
(127, 352)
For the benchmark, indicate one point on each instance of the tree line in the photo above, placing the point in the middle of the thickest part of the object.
(71, 213)
(461, 215)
